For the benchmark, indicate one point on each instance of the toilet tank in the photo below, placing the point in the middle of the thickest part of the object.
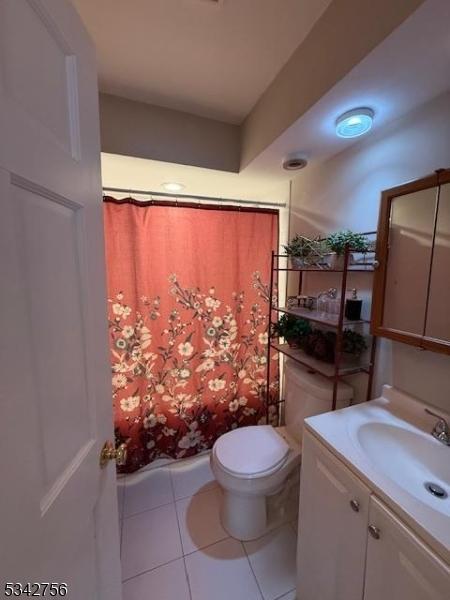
(307, 394)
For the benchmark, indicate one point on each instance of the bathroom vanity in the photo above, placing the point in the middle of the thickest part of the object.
(369, 528)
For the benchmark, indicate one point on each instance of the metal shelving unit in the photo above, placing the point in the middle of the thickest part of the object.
(316, 317)
(342, 367)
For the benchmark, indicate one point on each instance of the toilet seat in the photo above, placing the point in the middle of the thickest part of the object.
(250, 452)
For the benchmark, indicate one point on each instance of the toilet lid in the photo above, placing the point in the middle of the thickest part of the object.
(251, 450)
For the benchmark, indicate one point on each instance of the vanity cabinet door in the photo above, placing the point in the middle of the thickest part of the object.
(333, 519)
(399, 564)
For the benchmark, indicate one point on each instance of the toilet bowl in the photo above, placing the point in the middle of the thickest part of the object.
(258, 467)
(250, 464)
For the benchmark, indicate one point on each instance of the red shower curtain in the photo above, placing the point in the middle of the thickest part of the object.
(188, 319)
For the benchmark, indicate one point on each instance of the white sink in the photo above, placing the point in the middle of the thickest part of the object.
(387, 442)
(410, 458)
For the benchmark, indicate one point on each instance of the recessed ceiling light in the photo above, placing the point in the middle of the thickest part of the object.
(354, 123)
(294, 163)
(171, 186)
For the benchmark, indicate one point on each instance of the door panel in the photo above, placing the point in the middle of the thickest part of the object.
(400, 565)
(332, 535)
(49, 115)
(57, 324)
(40, 32)
(58, 510)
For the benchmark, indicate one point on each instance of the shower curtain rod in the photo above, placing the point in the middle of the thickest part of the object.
(193, 197)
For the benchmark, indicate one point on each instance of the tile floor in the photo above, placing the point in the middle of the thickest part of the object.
(174, 547)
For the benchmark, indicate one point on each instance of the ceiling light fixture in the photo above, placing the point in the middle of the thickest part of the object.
(172, 186)
(354, 123)
(294, 163)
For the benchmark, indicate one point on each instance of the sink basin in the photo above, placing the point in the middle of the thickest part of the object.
(387, 444)
(410, 458)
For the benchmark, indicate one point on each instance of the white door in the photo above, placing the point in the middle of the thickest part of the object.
(58, 510)
(399, 564)
(334, 508)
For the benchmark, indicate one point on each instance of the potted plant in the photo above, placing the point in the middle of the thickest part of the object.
(292, 329)
(304, 252)
(322, 344)
(339, 241)
(353, 343)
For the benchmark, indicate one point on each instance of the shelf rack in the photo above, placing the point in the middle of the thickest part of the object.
(340, 368)
(317, 317)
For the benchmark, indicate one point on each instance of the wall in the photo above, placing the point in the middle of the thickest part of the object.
(344, 192)
(137, 129)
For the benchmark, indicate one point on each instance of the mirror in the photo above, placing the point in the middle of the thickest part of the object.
(411, 297)
(438, 315)
(408, 261)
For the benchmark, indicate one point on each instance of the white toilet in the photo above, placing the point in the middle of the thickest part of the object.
(258, 466)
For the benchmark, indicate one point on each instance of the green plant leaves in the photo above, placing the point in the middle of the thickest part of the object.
(356, 242)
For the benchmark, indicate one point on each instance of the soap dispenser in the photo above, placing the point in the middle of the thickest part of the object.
(353, 307)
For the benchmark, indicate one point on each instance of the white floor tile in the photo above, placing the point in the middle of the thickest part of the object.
(273, 561)
(221, 572)
(200, 521)
(192, 476)
(149, 540)
(164, 583)
(147, 489)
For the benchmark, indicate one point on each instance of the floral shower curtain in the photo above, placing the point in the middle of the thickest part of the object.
(188, 323)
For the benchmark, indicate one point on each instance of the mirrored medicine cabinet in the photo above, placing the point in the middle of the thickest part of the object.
(411, 300)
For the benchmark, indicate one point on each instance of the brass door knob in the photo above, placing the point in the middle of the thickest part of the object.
(108, 453)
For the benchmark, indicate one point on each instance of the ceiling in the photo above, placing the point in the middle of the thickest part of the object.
(409, 68)
(212, 58)
(394, 79)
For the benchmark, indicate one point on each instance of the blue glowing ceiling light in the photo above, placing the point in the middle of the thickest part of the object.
(354, 123)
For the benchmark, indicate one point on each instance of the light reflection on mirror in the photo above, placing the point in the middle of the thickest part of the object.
(438, 319)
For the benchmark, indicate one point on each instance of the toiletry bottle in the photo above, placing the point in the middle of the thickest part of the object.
(353, 307)
(322, 302)
(333, 303)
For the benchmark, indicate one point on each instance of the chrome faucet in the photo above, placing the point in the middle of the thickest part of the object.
(441, 431)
